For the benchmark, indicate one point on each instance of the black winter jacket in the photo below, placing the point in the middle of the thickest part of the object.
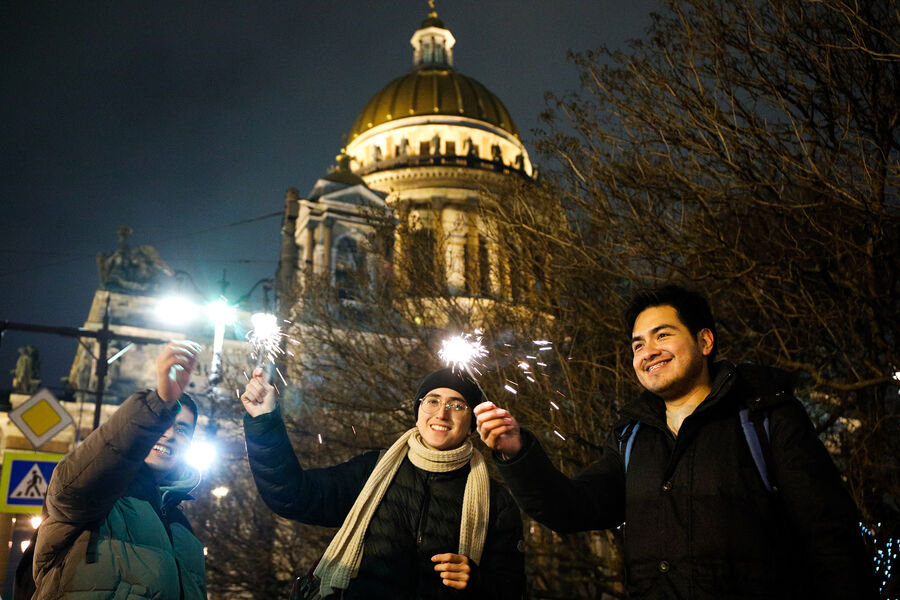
(418, 517)
(698, 521)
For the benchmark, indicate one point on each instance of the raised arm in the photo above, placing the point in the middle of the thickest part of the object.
(92, 477)
(314, 496)
(592, 499)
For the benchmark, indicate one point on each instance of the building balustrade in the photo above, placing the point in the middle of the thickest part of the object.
(440, 160)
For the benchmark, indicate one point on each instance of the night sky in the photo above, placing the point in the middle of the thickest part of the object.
(183, 118)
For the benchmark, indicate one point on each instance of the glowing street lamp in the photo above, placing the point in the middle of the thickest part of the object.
(176, 310)
(220, 492)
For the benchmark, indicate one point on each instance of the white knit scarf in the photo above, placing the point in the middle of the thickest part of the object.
(341, 560)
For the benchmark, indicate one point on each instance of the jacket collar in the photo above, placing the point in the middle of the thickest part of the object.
(650, 408)
(770, 384)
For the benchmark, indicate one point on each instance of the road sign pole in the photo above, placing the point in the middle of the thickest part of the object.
(102, 365)
(6, 531)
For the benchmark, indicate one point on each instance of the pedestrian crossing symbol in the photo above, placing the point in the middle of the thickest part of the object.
(24, 480)
(32, 487)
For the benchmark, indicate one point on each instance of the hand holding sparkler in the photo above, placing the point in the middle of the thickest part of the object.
(498, 429)
(259, 396)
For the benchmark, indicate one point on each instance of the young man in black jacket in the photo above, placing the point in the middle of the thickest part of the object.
(702, 518)
(422, 520)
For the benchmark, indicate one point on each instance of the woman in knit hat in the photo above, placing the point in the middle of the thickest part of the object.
(419, 520)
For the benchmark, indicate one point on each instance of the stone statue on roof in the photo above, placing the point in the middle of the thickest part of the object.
(138, 270)
(27, 374)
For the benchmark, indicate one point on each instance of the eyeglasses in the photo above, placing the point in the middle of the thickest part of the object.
(432, 405)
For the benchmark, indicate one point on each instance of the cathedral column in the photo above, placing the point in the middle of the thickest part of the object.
(454, 235)
(473, 266)
(307, 241)
(440, 240)
(496, 272)
(401, 241)
(328, 223)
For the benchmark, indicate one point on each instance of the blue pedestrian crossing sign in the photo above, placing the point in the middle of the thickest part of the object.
(24, 479)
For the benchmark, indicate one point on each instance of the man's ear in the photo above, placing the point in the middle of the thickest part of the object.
(706, 341)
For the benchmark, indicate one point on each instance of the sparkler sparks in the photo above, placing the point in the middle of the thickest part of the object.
(265, 338)
(462, 352)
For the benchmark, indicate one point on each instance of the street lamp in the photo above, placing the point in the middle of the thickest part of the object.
(176, 310)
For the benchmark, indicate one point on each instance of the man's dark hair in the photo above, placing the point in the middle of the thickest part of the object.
(692, 308)
(188, 403)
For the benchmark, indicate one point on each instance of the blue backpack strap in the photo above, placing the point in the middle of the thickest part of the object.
(627, 439)
(756, 432)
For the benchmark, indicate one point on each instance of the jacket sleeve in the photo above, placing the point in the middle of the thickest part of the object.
(593, 499)
(89, 480)
(820, 508)
(501, 574)
(312, 496)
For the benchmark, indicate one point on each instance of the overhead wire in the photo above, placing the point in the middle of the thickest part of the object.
(80, 256)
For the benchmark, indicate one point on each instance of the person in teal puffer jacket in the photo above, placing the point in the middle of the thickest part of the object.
(112, 525)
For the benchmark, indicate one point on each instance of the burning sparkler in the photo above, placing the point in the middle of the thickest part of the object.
(265, 338)
(462, 352)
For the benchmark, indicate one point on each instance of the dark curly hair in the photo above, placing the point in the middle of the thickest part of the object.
(692, 308)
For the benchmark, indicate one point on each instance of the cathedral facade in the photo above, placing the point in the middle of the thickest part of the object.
(428, 148)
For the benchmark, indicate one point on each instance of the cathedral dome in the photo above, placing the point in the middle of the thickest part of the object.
(434, 121)
(433, 91)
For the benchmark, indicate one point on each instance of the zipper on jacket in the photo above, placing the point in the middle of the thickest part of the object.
(423, 512)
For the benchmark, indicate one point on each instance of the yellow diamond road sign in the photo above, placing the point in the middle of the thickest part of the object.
(40, 418)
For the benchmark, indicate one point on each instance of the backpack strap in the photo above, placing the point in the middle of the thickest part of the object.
(755, 425)
(626, 439)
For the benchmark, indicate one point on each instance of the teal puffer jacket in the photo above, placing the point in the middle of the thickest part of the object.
(109, 530)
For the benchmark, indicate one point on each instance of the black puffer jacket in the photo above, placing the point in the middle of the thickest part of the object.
(699, 522)
(418, 517)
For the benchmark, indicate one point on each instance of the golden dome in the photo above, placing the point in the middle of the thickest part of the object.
(429, 91)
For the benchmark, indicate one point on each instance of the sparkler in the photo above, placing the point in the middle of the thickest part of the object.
(462, 352)
(265, 342)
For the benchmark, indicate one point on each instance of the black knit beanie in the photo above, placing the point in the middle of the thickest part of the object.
(456, 381)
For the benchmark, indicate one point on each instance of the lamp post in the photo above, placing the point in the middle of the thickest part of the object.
(178, 310)
(221, 315)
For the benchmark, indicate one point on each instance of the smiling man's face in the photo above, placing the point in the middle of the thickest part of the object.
(668, 360)
(444, 429)
(170, 448)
